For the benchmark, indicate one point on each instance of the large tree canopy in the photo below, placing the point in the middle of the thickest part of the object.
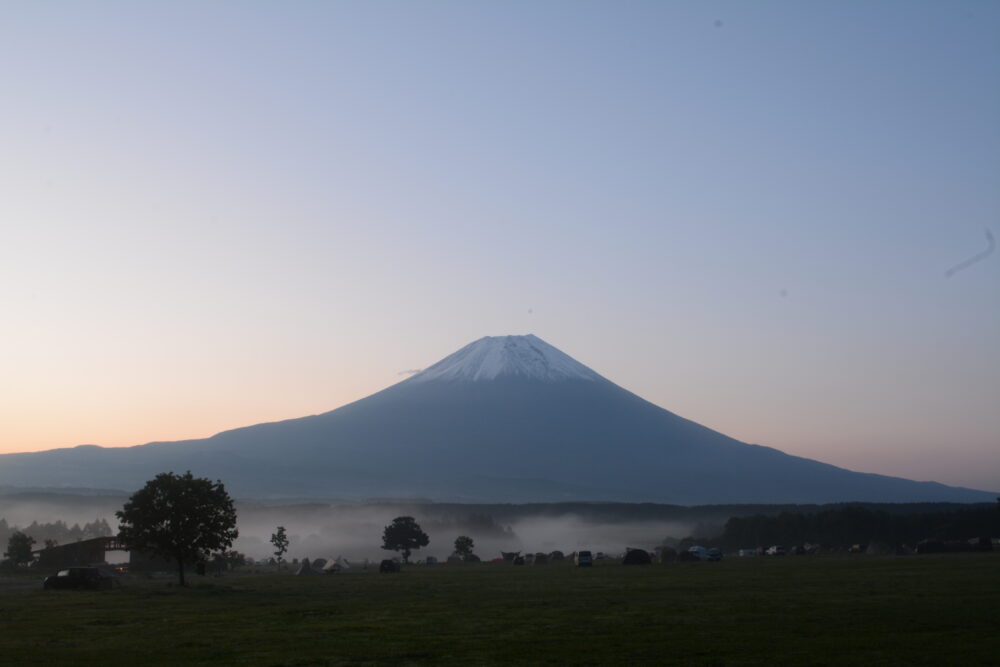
(179, 517)
(403, 535)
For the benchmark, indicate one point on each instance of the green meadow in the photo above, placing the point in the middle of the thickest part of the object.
(858, 609)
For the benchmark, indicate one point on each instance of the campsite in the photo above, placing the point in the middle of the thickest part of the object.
(855, 608)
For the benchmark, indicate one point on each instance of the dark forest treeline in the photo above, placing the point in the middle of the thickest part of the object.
(58, 532)
(844, 526)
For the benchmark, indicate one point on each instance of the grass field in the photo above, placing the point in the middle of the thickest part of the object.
(792, 610)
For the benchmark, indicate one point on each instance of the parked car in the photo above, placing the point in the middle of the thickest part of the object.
(776, 550)
(713, 554)
(78, 578)
(584, 559)
(701, 553)
(388, 566)
(599, 556)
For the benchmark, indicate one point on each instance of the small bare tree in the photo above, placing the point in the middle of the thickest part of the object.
(280, 541)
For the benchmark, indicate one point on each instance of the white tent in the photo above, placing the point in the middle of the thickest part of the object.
(336, 565)
(305, 568)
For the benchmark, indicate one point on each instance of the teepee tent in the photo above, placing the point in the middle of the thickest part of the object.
(305, 568)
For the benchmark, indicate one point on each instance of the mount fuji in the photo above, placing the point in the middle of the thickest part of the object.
(504, 419)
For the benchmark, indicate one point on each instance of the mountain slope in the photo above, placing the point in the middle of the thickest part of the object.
(503, 419)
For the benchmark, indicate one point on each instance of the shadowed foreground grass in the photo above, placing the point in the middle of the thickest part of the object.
(793, 610)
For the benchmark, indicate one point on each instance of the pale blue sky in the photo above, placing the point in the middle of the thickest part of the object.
(215, 214)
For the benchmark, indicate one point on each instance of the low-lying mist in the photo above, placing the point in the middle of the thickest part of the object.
(354, 531)
(357, 534)
(21, 509)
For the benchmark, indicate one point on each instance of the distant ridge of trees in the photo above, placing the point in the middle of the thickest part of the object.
(58, 531)
(482, 524)
(841, 526)
(503, 513)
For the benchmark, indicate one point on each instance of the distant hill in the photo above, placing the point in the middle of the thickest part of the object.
(504, 419)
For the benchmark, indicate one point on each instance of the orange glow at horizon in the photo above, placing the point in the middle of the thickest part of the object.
(126, 421)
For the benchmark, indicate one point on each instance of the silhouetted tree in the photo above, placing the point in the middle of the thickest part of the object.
(179, 517)
(280, 542)
(404, 535)
(463, 545)
(19, 548)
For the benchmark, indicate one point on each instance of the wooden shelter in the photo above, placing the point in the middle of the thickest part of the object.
(83, 552)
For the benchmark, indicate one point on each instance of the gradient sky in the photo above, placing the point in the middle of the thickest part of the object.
(218, 214)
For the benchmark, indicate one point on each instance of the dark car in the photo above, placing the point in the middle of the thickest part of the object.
(78, 578)
(388, 566)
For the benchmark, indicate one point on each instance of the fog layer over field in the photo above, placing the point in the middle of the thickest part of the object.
(21, 509)
(354, 531)
(357, 534)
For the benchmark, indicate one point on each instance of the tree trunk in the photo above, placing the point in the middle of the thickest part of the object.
(180, 570)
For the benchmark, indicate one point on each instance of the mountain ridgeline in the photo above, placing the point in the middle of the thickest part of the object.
(504, 419)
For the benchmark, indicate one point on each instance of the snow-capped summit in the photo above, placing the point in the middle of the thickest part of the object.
(498, 356)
